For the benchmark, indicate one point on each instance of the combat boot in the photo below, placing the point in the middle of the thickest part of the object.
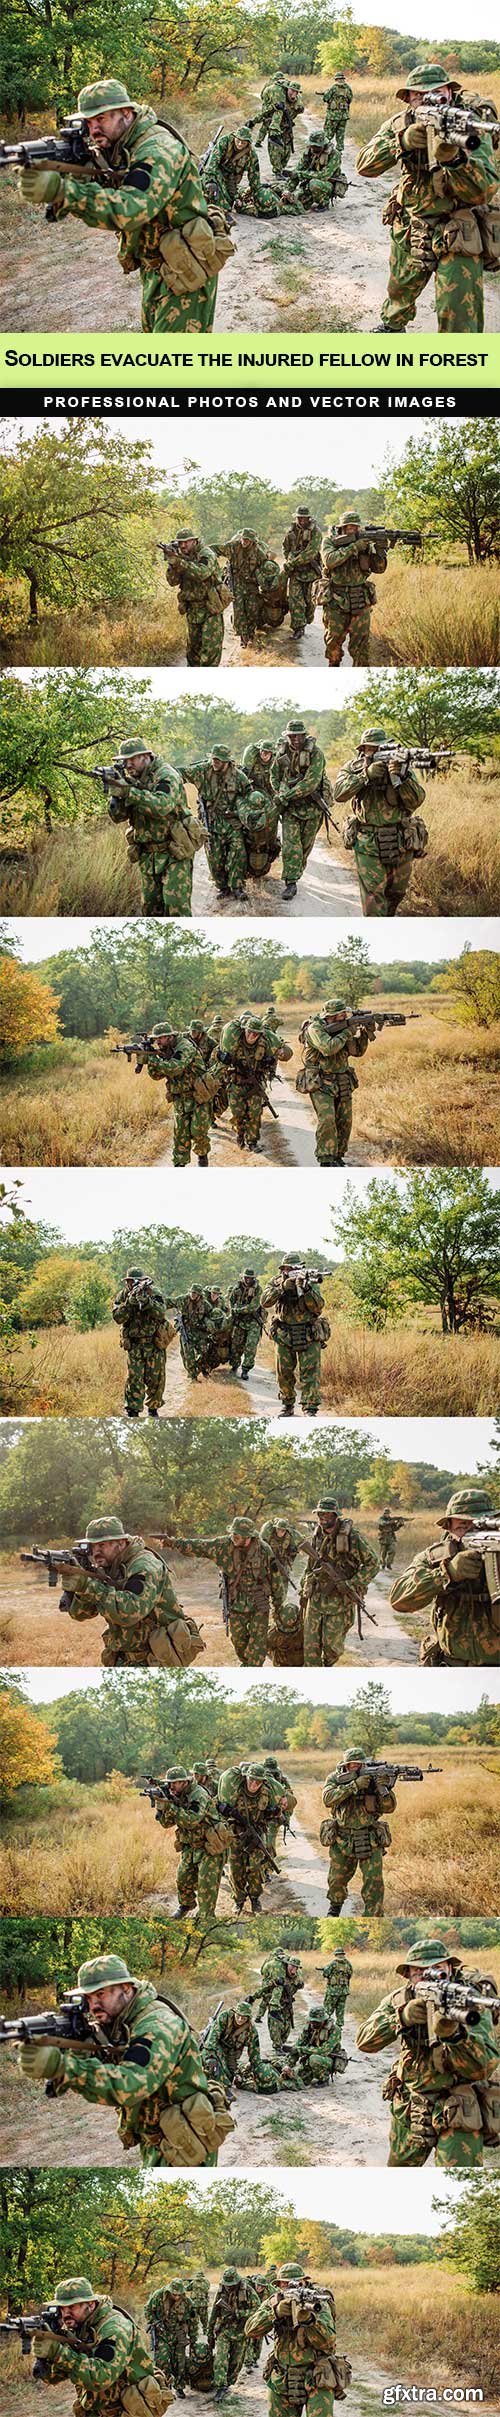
(289, 889)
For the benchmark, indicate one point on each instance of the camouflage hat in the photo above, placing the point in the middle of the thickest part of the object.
(292, 2273)
(430, 1951)
(135, 1275)
(241, 1528)
(271, 1762)
(317, 142)
(105, 1531)
(134, 746)
(349, 520)
(176, 1771)
(221, 754)
(471, 1502)
(340, 77)
(74, 2287)
(352, 1754)
(334, 1007)
(183, 537)
(248, 537)
(95, 99)
(244, 2009)
(230, 2275)
(317, 2016)
(303, 512)
(243, 134)
(103, 1972)
(327, 1502)
(160, 1032)
(373, 738)
(296, 730)
(254, 1770)
(425, 79)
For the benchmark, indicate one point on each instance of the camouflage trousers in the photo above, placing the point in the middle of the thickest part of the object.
(333, 1125)
(248, 1872)
(205, 634)
(288, 2392)
(342, 1866)
(280, 147)
(163, 309)
(191, 1130)
(338, 2015)
(245, 611)
(300, 826)
(198, 1879)
(300, 600)
(342, 621)
(458, 285)
(298, 1363)
(326, 1626)
(166, 888)
(336, 134)
(387, 1551)
(246, 1112)
(145, 1378)
(227, 856)
(279, 2024)
(171, 2352)
(248, 1628)
(245, 1339)
(229, 2351)
(382, 886)
(413, 2138)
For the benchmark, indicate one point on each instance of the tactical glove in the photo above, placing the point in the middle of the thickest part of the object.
(39, 2063)
(39, 184)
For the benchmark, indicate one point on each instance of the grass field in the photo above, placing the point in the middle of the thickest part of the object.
(445, 1833)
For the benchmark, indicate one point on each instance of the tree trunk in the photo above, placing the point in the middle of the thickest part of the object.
(33, 596)
(47, 803)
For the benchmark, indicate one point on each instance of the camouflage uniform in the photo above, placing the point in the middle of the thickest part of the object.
(245, 1563)
(302, 551)
(339, 1566)
(199, 2293)
(207, 1775)
(222, 789)
(280, 1981)
(257, 762)
(337, 1974)
(434, 212)
(246, 1322)
(232, 160)
(388, 1530)
(356, 1832)
(202, 595)
(299, 1329)
(160, 197)
(458, 1582)
(250, 1057)
(280, 104)
(233, 2302)
(258, 585)
(316, 2055)
(280, 1815)
(200, 1328)
(202, 1839)
(445, 2085)
(161, 836)
(233, 2035)
(140, 1311)
(260, 813)
(172, 2325)
(316, 182)
(248, 1860)
(190, 1088)
(301, 790)
(104, 2358)
(286, 1635)
(145, 1624)
(156, 2079)
(348, 590)
(326, 1075)
(303, 2369)
(338, 97)
(382, 830)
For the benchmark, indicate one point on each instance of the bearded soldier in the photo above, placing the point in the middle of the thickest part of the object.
(233, 2302)
(458, 1582)
(174, 1059)
(338, 97)
(302, 551)
(444, 2089)
(249, 1056)
(246, 1322)
(201, 1837)
(280, 1981)
(162, 835)
(231, 2052)
(357, 1800)
(155, 2076)
(329, 1041)
(384, 829)
(304, 2370)
(280, 104)
(194, 570)
(245, 1564)
(348, 591)
(302, 791)
(388, 1531)
(148, 191)
(232, 161)
(286, 1635)
(249, 1798)
(140, 1311)
(128, 1586)
(98, 2349)
(447, 180)
(300, 1329)
(340, 1563)
(222, 787)
(337, 1974)
(258, 585)
(172, 2323)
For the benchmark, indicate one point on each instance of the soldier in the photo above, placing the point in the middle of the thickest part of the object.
(300, 1329)
(193, 569)
(280, 104)
(338, 97)
(98, 2349)
(249, 1797)
(231, 2036)
(250, 1058)
(286, 1635)
(444, 2089)
(280, 1815)
(155, 2075)
(197, 1327)
(260, 823)
(162, 836)
(245, 1564)
(172, 2324)
(348, 591)
(340, 1563)
(280, 1981)
(302, 791)
(257, 762)
(458, 1582)
(222, 787)
(173, 1058)
(357, 1831)
(129, 1587)
(202, 1838)
(140, 1311)
(337, 1974)
(388, 1530)
(246, 1323)
(302, 551)
(232, 161)
(384, 829)
(328, 1042)
(258, 585)
(220, 1342)
(199, 2293)
(233, 2302)
(445, 182)
(316, 181)
(304, 2368)
(317, 2054)
(158, 210)
(206, 1772)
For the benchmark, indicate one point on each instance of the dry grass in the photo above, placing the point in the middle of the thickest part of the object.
(460, 875)
(375, 1972)
(445, 612)
(121, 633)
(375, 98)
(445, 1833)
(88, 1111)
(82, 869)
(421, 2321)
(104, 1853)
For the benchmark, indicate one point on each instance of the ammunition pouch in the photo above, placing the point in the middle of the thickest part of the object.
(217, 1841)
(383, 1835)
(328, 1833)
(351, 830)
(342, 2375)
(190, 2132)
(392, 842)
(488, 219)
(418, 836)
(489, 2101)
(146, 2399)
(180, 1642)
(459, 238)
(185, 839)
(192, 254)
(460, 2112)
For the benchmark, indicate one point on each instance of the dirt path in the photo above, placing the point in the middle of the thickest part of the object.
(388, 1641)
(220, 1395)
(288, 1142)
(326, 888)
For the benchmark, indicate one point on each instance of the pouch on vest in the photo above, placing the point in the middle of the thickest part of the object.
(179, 1643)
(188, 256)
(488, 219)
(342, 2375)
(459, 239)
(460, 2113)
(223, 247)
(147, 2399)
(383, 1835)
(186, 837)
(351, 830)
(418, 836)
(328, 1833)
(489, 2100)
(188, 2131)
(223, 2120)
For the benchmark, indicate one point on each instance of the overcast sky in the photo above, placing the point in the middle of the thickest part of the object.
(385, 2202)
(353, 454)
(414, 938)
(432, 21)
(248, 691)
(420, 1691)
(91, 1203)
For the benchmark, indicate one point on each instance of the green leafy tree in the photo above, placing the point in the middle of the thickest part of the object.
(350, 971)
(67, 498)
(472, 2232)
(450, 486)
(458, 709)
(89, 1302)
(474, 980)
(423, 1238)
(370, 1721)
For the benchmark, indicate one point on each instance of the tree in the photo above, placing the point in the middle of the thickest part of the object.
(48, 724)
(474, 979)
(472, 2232)
(370, 1721)
(422, 1238)
(343, 45)
(450, 487)
(89, 1302)
(350, 971)
(46, 1300)
(26, 1750)
(28, 1011)
(455, 708)
(67, 496)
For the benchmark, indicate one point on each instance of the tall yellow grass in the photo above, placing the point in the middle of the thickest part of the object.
(461, 872)
(82, 1375)
(89, 1111)
(98, 1857)
(445, 1835)
(421, 2322)
(445, 612)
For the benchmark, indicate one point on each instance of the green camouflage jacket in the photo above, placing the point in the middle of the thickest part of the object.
(183, 1070)
(258, 773)
(327, 1054)
(245, 1301)
(226, 2046)
(256, 571)
(151, 806)
(252, 1063)
(356, 1811)
(459, 1586)
(142, 1317)
(348, 564)
(172, 2313)
(246, 1564)
(161, 188)
(105, 2357)
(197, 1821)
(160, 2066)
(298, 774)
(454, 2052)
(299, 1312)
(228, 166)
(337, 1976)
(296, 2344)
(459, 180)
(231, 2306)
(199, 580)
(302, 552)
(381, 795)
(136, 1600)
(339, 101)
(220, 787)
(338, 1564)
(259, 1809)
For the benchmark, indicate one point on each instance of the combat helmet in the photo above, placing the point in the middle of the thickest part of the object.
(425, 79)
(95, 99)
(430, 1951)
(105, 1531)
(133, 746)
(103, 1972)
(74, 2287)
(470, 1502)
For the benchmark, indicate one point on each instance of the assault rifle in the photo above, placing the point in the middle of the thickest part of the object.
(454, 1997)
(70, 149)
(111, 776)
(389, 1771)
(361, 1607)
(373, 535)
(157, 1787)
(69, 2020)
(131, 1048)
(457, 125)
(247, 1829)
(208, 2025)
(44, 2320)
(176, 1314)
(371, 1019)
(206, 155)
(224, 1601)
(53, 1562)
(395, 751)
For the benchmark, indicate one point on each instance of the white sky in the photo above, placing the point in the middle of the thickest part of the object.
(91, 1203)
(415, 938)
(420, 1691)
(387, 2202)
(464, 1444)
(248, 691)
(282, 454)
(432, 21)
